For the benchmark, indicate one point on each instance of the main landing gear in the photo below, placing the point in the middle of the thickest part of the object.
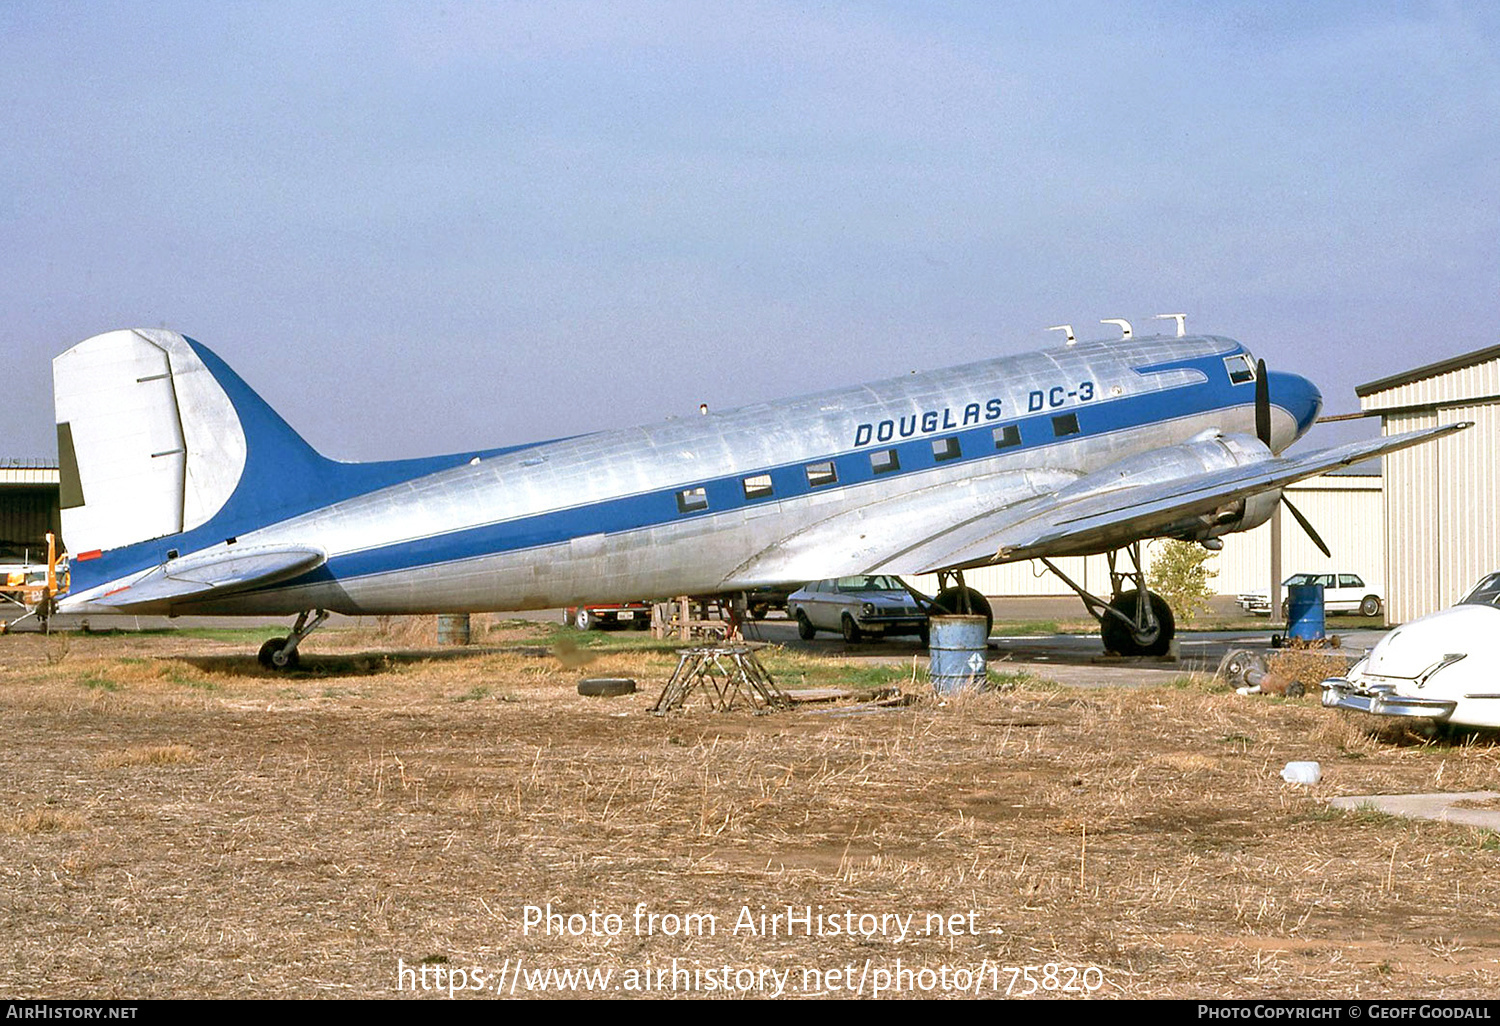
(1131, 625)
(281, 653)
(956, 598)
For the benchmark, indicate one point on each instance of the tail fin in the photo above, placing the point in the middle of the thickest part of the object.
(157, 437)
(149, 441)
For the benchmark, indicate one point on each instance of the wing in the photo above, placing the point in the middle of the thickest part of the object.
(1108, 509)
(219, 571)
(1022, 514)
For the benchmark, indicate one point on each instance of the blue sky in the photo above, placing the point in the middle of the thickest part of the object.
(418, 227)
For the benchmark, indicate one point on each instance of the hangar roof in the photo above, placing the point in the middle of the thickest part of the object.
(28, 472)
(1430, 370)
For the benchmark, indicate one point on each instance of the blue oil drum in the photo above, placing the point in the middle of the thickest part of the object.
(1305, 614)
(956, 652)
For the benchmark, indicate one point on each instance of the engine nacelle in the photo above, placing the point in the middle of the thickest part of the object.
(1243, 515)
(1200, 455)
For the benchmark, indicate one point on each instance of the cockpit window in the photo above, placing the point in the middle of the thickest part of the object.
(1241, 368)
(1486, 594)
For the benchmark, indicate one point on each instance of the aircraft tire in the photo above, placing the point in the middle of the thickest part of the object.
(950, 600)
(1121, 639)
(851, 630)
(805, 630)
(267, 656)
(606, 687)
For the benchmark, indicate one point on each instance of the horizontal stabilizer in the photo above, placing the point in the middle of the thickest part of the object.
(212, 572)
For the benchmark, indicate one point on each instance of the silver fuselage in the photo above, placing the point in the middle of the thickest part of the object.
(617, 515)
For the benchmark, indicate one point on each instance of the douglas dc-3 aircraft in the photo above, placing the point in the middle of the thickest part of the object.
(183, 492)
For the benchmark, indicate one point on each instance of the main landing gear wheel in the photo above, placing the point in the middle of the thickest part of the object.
(1128, 640)
(951, 602)
(272, 657)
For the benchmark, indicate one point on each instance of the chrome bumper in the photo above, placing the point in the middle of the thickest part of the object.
(1339, 693)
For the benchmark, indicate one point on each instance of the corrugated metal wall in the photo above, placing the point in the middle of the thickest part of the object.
(1442, 533)
(1443, 498)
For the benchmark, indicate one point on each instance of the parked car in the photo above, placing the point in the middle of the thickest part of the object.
(636, 615)
(877, 605)
(760, 601)
(1440, 666)
(1342, 593)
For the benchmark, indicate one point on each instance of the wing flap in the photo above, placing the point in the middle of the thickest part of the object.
(213, 572)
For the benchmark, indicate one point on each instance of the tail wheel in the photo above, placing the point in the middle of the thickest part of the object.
(951, 601)
(272, 657)
(1125, 639)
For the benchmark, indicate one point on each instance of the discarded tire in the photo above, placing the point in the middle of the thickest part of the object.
(606, 687)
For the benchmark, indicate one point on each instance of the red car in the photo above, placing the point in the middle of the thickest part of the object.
(636, 615)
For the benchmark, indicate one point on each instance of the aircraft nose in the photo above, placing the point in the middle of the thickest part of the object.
(1297, 396)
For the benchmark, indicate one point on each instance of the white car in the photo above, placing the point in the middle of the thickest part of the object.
(1440, 666)
(1342, 593)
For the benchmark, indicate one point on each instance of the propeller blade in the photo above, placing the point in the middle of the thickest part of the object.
(1262, 404)
(1306, 526)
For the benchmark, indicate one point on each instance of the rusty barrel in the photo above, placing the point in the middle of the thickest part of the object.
(956, 651)
(453, 628)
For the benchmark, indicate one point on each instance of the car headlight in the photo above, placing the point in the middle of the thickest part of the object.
(867, 609)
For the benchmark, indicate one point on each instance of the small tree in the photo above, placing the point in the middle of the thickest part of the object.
(1180, 574)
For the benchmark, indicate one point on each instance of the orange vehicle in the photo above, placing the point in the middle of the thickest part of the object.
(636, 615)
(28, 585)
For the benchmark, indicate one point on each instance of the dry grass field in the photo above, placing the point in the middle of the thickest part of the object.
(176, 822)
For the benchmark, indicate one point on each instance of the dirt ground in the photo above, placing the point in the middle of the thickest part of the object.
(395, 820)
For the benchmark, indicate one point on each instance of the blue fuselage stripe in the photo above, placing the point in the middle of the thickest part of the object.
(726, 494)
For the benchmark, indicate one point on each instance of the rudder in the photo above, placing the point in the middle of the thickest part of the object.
(149, 444)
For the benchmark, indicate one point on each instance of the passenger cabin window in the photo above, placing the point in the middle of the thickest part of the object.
(1350, 581)
(758, 487)
(821, 474)
(1240, 368)
(946, 449)
(885, 461)
(691, 500)
(1067, 424)
(1007, 437)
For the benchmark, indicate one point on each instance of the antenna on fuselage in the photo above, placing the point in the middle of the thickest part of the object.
(1181, 320)
(1064, 327)
(1125, 331)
